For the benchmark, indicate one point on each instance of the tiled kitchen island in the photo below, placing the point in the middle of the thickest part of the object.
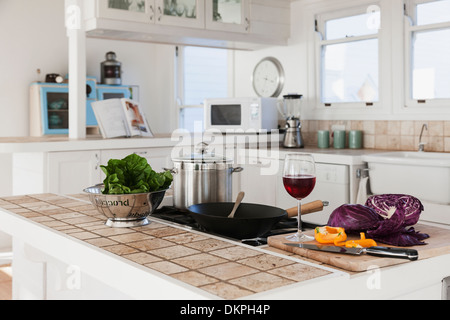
(157, 261)
(63, 250)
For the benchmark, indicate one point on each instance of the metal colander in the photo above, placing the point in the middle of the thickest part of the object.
(125, 210)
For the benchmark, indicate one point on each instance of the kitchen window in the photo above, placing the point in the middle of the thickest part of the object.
(348, 57)
(202, 73)
(427, 53)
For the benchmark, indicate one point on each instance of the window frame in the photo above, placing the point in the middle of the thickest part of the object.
(320, 43)
(419, 106)
(180, 79)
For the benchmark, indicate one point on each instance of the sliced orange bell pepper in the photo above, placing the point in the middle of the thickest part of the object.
(330, 235)
(363, 243)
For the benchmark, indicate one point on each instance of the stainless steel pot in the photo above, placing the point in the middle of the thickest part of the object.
(202, 178)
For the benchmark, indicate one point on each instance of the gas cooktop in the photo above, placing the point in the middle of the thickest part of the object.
(176, 216)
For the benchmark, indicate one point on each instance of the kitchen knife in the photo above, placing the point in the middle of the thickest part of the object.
(409, 254)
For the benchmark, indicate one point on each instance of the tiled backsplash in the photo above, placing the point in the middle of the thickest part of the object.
(386, 135)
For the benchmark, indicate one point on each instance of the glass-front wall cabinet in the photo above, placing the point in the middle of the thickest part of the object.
(223, 15)
(228, 15)
(188, 13)
(130, 10)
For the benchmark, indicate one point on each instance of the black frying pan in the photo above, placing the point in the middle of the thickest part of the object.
(250, 221)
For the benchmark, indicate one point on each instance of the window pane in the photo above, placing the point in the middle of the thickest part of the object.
(206, 74)
(431, 66)
(191, 119)
(350, 72)
(433, 12)
(360, 25)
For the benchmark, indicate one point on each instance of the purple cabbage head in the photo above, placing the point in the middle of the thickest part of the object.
(388, 205)
(354, 218)
(383, 218)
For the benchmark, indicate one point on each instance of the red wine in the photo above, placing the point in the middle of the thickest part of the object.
(299, 186)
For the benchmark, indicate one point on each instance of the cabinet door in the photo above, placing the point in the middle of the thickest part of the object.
(230, 16)
(129, 10)
(71, 172)
(258, 186)
(181, 13)
(55, 110)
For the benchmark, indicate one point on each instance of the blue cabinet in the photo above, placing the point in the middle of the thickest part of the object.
(49, 105)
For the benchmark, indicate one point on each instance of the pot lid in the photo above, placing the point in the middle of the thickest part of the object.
(203, 158)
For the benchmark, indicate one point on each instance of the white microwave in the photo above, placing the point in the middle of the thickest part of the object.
(241, 113)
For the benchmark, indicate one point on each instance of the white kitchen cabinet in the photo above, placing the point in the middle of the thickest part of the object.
(259, 187)
(229, 16)
(71, 172)
(55, 172)
(189, 13)
(244, 24)
(138, 11)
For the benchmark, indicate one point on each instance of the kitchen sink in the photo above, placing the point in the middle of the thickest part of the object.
(425, 175)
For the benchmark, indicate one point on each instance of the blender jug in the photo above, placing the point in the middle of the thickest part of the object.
(290, 108)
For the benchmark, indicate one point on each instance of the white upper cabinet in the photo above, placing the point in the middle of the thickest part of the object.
(186, 13)
(228, 15)
(130, 10)
(181, 13)
(234, 24)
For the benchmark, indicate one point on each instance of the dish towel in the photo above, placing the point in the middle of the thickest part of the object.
(362, 196)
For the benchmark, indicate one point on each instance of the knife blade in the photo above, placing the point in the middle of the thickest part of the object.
(387, 252)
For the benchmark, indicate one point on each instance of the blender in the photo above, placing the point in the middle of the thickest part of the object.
(290, 109)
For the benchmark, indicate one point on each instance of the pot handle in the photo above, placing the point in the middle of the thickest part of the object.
(237, 170)
(172, 171)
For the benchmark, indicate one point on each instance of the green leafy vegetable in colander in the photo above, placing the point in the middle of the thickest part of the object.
(133, 175)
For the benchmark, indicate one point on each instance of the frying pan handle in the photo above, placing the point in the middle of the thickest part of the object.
(307, 208)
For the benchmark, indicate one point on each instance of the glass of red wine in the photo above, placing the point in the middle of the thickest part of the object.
(299, 179)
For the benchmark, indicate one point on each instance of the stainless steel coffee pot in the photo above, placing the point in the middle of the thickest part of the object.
(111, 70)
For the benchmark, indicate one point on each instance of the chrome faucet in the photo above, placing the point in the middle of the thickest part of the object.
(422, 144)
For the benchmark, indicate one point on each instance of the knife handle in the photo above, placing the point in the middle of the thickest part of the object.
(409, 254)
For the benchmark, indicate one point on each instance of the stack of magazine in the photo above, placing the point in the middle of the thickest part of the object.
(121, 118)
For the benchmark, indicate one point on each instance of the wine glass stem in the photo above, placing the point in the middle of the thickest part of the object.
(299, 210)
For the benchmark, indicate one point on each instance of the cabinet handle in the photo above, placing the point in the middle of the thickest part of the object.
(247, 21)
(160, 13)
(152, 13)
(97, 164)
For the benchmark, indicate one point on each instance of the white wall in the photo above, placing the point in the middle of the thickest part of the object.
(33, 36)
(293, 58)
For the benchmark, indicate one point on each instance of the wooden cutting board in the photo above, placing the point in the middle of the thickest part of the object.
(438, 244)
